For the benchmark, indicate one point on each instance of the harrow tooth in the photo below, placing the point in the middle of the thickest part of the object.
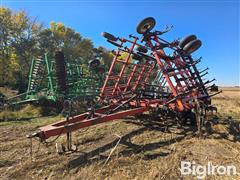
(39, 61)
(214, 94)
(208, 87)
(207, 82)
(193, 63)
(204, 70)
(203, 74)
(182, 79)
(35, 72)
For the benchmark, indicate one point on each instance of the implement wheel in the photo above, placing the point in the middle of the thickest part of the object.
(109, 36)
(146, 25)
(192, 46)
(94, 63)
(189, 118)
(186, 40)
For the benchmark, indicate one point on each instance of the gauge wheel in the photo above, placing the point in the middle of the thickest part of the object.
(146, 25)
(186, 40)
(192, 46)
(109, 36)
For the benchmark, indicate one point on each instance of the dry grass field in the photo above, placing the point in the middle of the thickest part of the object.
(126, 149)
(228, 102)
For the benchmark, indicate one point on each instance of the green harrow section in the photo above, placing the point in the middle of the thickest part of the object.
(57, 80)
(38, 86)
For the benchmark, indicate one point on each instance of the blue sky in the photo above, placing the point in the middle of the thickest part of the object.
(216, 23)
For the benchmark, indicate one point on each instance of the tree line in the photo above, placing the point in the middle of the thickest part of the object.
(24, 37)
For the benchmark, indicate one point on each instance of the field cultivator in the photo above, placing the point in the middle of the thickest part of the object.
(143, 78)
(53, 81)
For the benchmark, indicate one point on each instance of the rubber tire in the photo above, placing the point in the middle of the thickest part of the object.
(114, 43)
(142, 49)
(192, 117)
(145, 25)
(109, 36)
(186, 40)
(94, 63)
(192, 46)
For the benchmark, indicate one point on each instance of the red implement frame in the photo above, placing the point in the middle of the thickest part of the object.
(127, 80)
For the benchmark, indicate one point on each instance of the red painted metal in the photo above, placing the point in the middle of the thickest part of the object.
(111, 69)
(82, 122)
(130, 77)
(124, 65)
(128, 85)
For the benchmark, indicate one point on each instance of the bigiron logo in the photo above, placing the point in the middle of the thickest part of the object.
(201, 171)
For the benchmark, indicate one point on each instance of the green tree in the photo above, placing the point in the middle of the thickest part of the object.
(60, 37)
(107, 56)
(24, 38)
(18, 34)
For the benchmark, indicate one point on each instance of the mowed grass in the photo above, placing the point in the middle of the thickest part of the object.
(143, 152)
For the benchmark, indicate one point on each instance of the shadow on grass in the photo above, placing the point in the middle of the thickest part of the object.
(131, 148)
(230, 129)
(233, 129)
